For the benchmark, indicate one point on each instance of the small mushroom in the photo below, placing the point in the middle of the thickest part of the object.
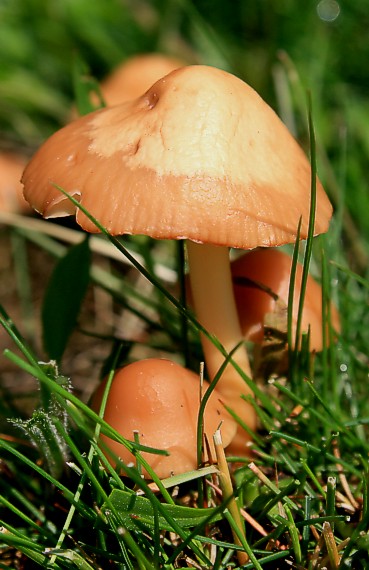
(261, 280)
(200, 156)
(11, 190)
(133, 77)
(159, 400)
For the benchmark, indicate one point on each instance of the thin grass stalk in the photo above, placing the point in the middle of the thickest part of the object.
(78, 561)
(195, 536)
(204, 401)
(310, 236)
(292, 346)
(313, 477)
(46, 234)
(228, 495)
(294, 534)
(306, 529)
(330, 506)
(243, 543)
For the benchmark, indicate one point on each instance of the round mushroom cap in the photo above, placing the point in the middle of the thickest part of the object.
(159, 399)
(261, 287)
(199, 156)
(133, 77)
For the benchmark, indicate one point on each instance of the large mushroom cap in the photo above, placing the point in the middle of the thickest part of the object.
(160, 400)
(200, 155)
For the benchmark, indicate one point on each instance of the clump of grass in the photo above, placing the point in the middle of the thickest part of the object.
(303, 492)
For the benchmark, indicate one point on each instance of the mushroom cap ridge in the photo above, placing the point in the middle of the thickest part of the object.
(199, 156)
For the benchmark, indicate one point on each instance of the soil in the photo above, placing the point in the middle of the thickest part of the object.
(85, 354)
(25, 270)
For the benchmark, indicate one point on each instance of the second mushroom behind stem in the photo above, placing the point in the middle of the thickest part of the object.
(261, 283)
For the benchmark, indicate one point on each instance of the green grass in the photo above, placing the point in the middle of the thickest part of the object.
(305, 486)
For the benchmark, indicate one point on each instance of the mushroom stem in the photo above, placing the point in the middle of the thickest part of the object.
(215, 308)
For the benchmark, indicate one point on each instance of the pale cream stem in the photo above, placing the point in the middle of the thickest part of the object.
(215, 308)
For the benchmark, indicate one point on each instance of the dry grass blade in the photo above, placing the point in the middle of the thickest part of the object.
(331, 546)
(342, 477)
(227, 489)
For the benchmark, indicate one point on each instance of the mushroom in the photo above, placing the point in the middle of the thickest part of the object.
(159, 400)
(11, 190)
(261, 280)
(133, 77)
(200, 156)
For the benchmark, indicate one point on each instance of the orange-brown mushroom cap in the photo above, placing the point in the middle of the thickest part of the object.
(261, 287)
(160, 400)
(200, 155)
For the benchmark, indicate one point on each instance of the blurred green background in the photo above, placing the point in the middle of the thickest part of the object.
(281, 47)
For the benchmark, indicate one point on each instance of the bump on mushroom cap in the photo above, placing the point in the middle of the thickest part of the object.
(272, 269)
(200, 156)
(160, 399)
